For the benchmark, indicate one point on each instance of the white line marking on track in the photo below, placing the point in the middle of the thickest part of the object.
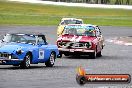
(115, 41)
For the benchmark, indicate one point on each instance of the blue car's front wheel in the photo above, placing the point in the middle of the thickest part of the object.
(51, 60)
(26, 62)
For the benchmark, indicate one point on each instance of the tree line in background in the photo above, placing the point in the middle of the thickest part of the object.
(118, 2)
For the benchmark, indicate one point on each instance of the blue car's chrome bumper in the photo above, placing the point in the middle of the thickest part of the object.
(6, 61)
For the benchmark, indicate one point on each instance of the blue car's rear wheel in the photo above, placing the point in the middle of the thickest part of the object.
(51, 60)
(26, 62)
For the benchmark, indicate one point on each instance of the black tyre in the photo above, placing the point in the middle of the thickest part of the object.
(66, 54)
(26, 62)
(93, 54)
(51, 60)
(99, 54)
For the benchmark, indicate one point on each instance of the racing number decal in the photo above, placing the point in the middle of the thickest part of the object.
(41, 54)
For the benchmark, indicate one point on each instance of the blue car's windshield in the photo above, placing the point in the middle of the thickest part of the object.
(19, 38)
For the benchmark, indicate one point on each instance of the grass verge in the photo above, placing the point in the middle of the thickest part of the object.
(12, 13)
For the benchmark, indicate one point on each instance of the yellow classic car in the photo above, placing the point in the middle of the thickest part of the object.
(66, 21)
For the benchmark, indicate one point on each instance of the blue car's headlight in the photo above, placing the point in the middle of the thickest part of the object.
(19, 52)
(10, 57)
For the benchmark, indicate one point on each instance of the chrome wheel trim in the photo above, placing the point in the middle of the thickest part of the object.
(52, 58)
(28, 62)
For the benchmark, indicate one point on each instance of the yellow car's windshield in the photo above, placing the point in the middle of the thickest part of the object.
(66, 22)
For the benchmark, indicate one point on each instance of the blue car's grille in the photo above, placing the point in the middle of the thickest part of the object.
(5, 55)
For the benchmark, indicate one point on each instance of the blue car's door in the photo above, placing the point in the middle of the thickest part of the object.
(43, 50)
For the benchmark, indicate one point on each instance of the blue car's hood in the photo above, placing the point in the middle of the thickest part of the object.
(11, 47)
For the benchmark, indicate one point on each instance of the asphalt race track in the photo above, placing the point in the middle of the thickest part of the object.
(116, 59)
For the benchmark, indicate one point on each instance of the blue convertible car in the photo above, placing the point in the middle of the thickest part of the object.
(20, 49)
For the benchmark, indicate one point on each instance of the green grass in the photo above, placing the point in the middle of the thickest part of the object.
(35, 14)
